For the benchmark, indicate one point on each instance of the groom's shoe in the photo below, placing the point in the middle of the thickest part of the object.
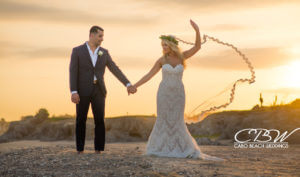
(79, 152)
(97, 152)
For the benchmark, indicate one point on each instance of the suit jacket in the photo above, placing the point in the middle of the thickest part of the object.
(82, 71)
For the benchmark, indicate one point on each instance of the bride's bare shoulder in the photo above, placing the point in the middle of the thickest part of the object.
(160, 61)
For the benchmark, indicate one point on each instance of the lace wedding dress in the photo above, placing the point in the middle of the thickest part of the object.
(170, 136)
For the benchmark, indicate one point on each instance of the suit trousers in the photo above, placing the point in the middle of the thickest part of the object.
(97, 101)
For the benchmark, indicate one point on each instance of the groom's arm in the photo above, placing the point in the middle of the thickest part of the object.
(116, 71)
(73, 69)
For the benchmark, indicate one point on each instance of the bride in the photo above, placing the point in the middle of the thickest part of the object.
(170, 136)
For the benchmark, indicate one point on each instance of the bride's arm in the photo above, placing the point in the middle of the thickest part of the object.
(187, 54)
(150, 74)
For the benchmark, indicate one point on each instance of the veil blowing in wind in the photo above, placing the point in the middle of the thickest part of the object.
(208, 106)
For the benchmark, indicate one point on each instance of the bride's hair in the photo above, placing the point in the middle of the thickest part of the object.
(174, 47)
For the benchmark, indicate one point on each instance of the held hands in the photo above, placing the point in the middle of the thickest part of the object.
(131, 89)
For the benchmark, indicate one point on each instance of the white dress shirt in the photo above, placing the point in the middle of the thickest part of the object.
(94, 57)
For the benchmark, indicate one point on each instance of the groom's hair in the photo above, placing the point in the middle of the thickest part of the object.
(94, 29)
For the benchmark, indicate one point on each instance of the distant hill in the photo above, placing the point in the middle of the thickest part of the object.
(225, 124)
(215, 127)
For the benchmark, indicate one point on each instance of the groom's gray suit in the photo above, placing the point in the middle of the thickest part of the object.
(82, 74)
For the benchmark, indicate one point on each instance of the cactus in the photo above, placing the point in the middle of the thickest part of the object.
(261, 100)
(275, 101)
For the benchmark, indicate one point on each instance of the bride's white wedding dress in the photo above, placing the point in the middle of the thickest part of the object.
(170, 136)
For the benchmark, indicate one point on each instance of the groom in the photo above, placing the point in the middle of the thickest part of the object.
(87, 67)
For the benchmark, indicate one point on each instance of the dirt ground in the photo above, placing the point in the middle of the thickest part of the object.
(59, 158)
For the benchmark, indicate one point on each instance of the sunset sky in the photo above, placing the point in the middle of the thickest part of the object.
(37, 37)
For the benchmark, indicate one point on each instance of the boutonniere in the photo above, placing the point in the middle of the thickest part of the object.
(100, 53)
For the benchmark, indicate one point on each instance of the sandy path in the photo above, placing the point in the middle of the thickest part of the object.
(59, 158)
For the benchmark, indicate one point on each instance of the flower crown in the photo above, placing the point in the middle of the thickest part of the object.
(169, 38)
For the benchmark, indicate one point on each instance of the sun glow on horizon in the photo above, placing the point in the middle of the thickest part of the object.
(292, 77)
(295, 50)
